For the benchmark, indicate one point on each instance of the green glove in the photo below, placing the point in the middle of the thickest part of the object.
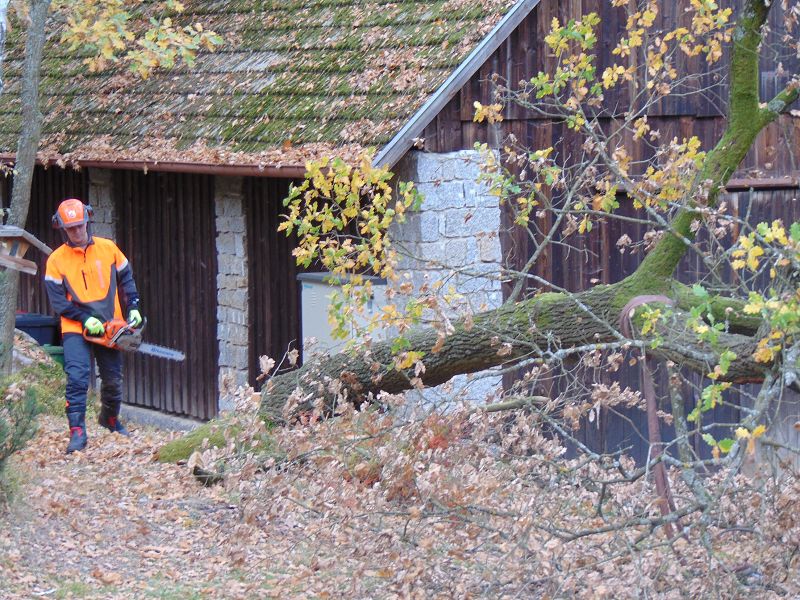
(134, 317)
(94, 326)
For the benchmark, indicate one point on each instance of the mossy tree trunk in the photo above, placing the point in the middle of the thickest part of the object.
(548, 322)
(590, 317)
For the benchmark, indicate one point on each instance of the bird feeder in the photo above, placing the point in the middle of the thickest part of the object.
(14, 243)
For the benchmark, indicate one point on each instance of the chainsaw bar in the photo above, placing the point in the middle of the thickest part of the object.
(160, 351)
(121, 335)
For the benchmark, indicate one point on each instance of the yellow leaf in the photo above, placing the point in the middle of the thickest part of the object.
(752, 257)
(764, 353)
(649, 16)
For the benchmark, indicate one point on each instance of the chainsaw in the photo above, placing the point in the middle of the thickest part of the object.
(121, 335)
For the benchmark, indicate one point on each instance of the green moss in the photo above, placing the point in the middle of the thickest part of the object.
(216, 433)
(73, 589)
(745, 121)
(11, 482)
(334, 39)
(47, 383)
(723, 309)
(318, 46)
(182, 448)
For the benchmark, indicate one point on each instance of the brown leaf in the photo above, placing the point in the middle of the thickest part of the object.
(107, 577)
(505, 349)
(293, 355)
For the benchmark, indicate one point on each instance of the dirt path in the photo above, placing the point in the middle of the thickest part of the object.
(112, 523)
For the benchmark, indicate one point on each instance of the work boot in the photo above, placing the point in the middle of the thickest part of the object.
(77, 432)
(112, 423)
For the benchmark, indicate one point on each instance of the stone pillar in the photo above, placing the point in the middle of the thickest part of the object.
(453, 238)
(102, 203)
(232, 293)
(103, 225)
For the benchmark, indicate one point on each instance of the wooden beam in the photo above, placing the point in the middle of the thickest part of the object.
(762, 183)
(751, 183)
(18, 264)
(232, 170)
(392, 152)
(10, 232)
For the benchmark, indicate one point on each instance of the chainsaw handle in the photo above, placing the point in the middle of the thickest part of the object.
(102, 339)
(112, 331)
(88, 335)
(141, 325)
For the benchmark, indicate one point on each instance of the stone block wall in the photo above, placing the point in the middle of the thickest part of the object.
(453, 238)
(232, 293)
(102, 203)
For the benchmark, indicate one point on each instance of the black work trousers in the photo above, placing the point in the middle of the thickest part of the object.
(77, 363)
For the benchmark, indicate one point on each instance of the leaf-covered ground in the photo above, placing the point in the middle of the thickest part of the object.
(463, 505)
(112, 523)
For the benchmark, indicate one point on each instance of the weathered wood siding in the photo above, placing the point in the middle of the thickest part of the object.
(524, 54)
(597, 258)
(166, 228)
(274, 300)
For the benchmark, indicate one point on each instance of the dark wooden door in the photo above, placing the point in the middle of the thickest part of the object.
(166, 227)
(274, 297)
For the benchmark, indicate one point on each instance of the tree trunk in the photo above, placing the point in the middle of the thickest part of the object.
(3, 12)
(23, 167)
(548, 322)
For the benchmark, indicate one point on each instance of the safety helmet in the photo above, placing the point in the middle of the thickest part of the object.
(71, 212)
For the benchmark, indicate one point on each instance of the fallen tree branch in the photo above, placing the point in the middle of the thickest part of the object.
(544, 324)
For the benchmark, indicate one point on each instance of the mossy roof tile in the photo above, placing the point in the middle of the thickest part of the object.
(293, 80)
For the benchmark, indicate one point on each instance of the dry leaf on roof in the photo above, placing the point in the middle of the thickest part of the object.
(306, 66)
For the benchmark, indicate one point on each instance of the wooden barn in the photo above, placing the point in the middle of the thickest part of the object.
(187, 169)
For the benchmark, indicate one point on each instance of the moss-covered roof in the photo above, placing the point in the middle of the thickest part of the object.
(293, 80)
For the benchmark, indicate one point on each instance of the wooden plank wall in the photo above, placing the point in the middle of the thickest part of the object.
(524, 55)
(596, 257)
(166, 227)
(274, 300)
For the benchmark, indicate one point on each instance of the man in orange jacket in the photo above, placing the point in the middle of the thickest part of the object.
(89, 281)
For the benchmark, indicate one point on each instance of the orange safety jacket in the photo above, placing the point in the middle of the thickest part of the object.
(92, 282)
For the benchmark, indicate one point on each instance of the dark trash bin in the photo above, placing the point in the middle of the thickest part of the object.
(43, 328)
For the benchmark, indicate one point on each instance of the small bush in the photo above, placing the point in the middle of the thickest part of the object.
(33, 390)
(18, 410)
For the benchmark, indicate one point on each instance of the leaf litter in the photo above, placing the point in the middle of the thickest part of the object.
(367, 505)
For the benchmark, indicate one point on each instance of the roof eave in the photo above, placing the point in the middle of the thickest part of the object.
(231, 170)
(393, 151)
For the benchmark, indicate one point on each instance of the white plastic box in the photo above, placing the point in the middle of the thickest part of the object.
(316, 290)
